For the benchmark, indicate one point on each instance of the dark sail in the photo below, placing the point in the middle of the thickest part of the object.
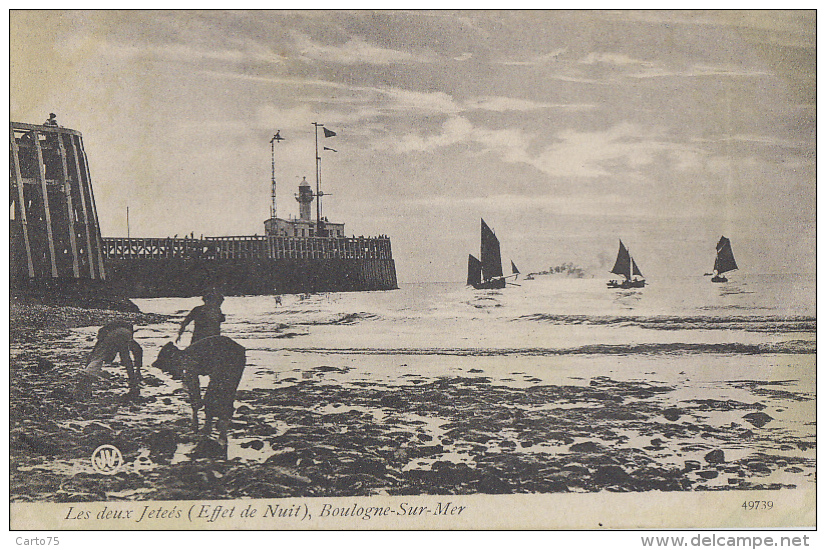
(474, 271)
(513, 268)
(634, 269)
(491, 258)
(725, 257)
(623, 264)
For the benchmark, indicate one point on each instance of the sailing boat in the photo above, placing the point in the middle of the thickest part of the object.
(514, 270)
(724, 262)
(487, 272)
(627, 267)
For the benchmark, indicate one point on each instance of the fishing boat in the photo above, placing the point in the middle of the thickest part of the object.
(627, 267)
(724, 262)
(486, 273)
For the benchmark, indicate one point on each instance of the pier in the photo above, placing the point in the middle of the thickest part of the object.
(55, 235)
(152, 267)
(57, 248)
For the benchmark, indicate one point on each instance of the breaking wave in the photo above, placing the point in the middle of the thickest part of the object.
(675, 348)
(749, 324)
(343, 319)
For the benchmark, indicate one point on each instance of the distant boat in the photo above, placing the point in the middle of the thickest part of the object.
(724, 262)
(487, 272)
(627, 267)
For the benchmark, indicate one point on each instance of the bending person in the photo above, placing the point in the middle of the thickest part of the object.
(116, 338)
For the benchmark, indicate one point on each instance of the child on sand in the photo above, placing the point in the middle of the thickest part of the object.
(207, 318)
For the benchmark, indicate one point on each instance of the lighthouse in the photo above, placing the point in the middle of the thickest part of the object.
(304, 225)
(305, 199)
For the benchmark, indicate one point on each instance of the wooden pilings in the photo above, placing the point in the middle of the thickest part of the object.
(56, 235)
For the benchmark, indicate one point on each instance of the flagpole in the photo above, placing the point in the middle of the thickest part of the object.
(274, 205)
(317, 182)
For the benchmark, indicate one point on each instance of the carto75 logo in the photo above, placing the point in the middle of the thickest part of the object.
(107, 459)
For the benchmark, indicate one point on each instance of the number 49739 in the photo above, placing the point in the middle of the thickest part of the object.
(758, 505)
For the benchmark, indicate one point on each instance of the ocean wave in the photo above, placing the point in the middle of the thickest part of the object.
(672, 348)
(343, 319)
(665, 322)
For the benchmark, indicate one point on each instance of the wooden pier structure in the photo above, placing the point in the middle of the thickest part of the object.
(56, 246)
(150, 267)
(54, 232)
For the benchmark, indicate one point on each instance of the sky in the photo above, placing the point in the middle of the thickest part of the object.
(565, 131)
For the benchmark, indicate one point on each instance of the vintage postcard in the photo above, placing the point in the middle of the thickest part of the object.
(412, 270)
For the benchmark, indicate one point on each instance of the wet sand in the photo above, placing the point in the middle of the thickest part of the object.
(317, 431)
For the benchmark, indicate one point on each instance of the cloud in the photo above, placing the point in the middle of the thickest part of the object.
(187, 54)
(617, 59)
(761, 140)
(699, 71)
(582, 205)
(623, 147)
(454, 130)
(429, 102)
(537, 60)
(354, 51)
(502, 104)
(793, 28)
(586, 154)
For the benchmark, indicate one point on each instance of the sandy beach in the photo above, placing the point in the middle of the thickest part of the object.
(317, 430)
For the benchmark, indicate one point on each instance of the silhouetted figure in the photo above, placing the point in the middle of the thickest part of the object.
(207, 318)
(223, 361)
(116, 338)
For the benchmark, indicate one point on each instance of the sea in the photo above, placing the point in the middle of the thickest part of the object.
(751, 340)
(555, 327)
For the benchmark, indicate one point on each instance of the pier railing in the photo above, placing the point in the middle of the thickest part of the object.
(248, 247)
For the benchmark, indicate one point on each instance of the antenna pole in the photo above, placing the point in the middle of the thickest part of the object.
(127, 223)
(272, 190)
(274, 205)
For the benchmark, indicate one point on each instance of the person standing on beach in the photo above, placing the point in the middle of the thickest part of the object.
(207, 318)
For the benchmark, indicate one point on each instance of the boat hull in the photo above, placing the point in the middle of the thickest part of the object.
(719, 279)
(626, 284)
(489, 285)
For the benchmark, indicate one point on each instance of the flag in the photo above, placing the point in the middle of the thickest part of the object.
(330, 149)
(328, 133)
